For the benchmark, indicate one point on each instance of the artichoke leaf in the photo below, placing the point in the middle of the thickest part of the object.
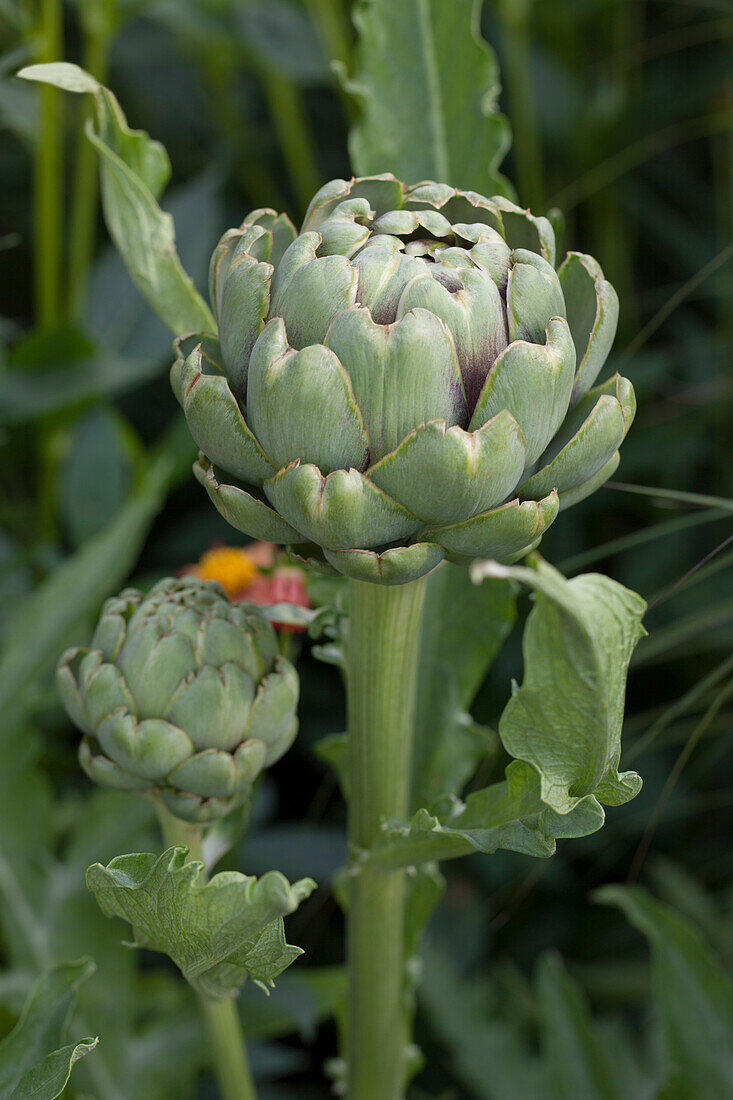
(309, 290)
(533, 297)
(592, 306)
(242, 509)
(523, 229)
(271, 719)
(587, 441)
(233, 923)
(397, 565)
(534, 382)
(693, 992)
(472, 309)
(244, 300)
(446, 475)
(301, 403)
(498, 533)
(339, 511)
(150, 749)
(380, 361)
(215, 419)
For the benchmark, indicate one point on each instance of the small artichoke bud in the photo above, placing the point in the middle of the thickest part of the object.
(181, 694)
(408, 378)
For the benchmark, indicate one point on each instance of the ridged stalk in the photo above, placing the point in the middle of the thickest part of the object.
(48, 174)
(228, 1054)
(383, 646)
(95, 28)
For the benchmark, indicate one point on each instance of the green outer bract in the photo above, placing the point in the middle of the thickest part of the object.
(182, 694)
(407, 379)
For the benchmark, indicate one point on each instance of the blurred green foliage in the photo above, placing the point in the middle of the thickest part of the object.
(622, 116)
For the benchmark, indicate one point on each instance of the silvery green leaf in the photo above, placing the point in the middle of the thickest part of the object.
(134, 170)
(425, 116)
(218, 933)
(32, 1065)
(565, 719)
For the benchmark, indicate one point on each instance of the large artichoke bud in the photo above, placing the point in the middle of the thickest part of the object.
(405, 380)
(181, 694)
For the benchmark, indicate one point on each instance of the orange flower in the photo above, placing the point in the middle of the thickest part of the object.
(230, 566)
(250, 574)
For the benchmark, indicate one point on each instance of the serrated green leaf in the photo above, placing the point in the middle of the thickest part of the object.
(218, 933)
(427, 83)
(565, 719)
(31, 1064)
(134, 169)
(509, 815)
(694, 994)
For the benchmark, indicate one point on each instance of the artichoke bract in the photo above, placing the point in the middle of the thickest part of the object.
(408, 378)
(181, 694)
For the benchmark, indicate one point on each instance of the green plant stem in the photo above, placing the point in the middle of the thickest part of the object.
(515, 19)
(85, 189)
(228, 1054)
(48, 174)
(332, 25)
(285, 104)
(383, 646)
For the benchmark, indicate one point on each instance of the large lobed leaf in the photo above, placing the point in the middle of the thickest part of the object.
(218, 933)
(427, 84)
(134, 171)
(32, 1064)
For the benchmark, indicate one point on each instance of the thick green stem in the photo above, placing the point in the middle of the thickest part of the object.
(291, 124)
(228, 1054)
(515, 18)
(48, 175)
(96, 37)
(383, 646)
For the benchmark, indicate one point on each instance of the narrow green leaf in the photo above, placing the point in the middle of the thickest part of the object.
(427, 83)
(694, 993)
(217, 933)
(31, 1065)
(134, 170)
(578, 1065)
(565, 719)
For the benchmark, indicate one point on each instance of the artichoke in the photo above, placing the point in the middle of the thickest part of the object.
(407, 379)
(181, 694)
